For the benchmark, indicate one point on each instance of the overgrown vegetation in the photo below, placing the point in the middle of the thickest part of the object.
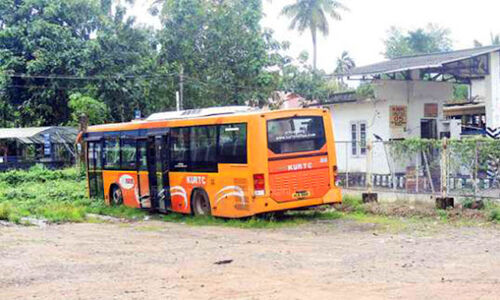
(60, 196)
(55, 196)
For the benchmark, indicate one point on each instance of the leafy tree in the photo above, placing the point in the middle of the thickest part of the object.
(52, 48)
(312, 15)
(223, 51)
(96, 111)
(126, 57)
(460, 92)
(302, 79)
(40, 37)
(365, 91)
(420, 41)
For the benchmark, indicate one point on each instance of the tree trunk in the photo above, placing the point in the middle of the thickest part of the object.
(315, 52)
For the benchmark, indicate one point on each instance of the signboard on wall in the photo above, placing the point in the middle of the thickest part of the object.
(430, 110)
(398, 116)
(398, 120)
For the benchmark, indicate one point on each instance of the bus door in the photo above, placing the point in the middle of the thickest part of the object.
(142, 174)
(94, 168)
(158, 167)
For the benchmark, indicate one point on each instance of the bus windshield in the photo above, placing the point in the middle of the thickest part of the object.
(297, 134)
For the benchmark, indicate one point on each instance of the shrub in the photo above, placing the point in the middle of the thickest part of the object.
(495, 214)
(352, 204)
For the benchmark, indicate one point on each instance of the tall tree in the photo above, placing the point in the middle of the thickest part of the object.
(225, 54)
(431, 39)
(312, 15)
(50, 49)
(40, 38)
(314, 85)
(344, 63)
(126, 56)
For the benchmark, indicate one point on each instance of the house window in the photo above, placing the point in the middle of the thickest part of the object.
(354, 139)
(358, 138)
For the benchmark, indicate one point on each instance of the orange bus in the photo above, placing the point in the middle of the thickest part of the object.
(229, 162)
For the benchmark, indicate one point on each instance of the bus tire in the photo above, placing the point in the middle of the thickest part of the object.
(115, 196)
(200, 204)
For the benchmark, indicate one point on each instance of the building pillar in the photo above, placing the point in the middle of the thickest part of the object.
(493, 95)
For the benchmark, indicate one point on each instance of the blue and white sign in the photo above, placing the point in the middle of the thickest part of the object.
(137, 114)
(47, 144)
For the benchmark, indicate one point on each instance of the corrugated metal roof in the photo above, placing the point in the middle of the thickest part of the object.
(34, 135)
(425, 61)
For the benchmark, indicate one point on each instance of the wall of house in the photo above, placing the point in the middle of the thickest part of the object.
(376, 113)
(492, 102)
(478, 89)
(488, 89)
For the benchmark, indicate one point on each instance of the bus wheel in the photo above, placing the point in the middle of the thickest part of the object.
(201, 204)
(116, 196)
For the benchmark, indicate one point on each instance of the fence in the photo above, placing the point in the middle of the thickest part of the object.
(465, 168)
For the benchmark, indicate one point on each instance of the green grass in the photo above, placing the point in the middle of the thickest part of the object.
(60, 196)
(289, 219)
(56, 196)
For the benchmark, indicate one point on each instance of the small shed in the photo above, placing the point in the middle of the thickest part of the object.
(21, 148)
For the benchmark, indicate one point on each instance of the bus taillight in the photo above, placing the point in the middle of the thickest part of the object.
(259, 184)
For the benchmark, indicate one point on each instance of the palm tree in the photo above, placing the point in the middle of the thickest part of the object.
(344, 63)
(312, 15)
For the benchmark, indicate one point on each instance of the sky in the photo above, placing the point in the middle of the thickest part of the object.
(364, 27)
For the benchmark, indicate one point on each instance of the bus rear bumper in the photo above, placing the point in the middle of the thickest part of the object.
(267, 204)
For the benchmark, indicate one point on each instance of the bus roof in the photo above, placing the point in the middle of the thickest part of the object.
(191, 115)
(200, 112)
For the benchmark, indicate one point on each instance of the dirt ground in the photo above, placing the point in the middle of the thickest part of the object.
(338, 259)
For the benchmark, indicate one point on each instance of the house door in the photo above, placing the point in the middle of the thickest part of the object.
(158, 168)
(428, 129)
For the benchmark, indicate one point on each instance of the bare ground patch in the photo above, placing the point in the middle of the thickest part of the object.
(344, 259)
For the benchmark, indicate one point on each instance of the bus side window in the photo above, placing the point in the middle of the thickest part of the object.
(142, 155)
(179, 151)
(203, 149)
(112, 153)
(91, 156)
(98, 155)
(128, 149)
(233, 143)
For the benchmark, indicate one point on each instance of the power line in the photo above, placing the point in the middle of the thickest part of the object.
(47, 87)
(98, 77)
(209, 84)
(215, 83)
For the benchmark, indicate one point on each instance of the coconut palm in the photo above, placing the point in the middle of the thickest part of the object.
(344, 63)
(312, 15)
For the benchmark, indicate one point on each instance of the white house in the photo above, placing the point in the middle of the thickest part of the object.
(409, 100)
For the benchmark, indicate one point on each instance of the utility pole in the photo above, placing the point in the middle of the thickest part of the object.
(181, 88)
(177, 101)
